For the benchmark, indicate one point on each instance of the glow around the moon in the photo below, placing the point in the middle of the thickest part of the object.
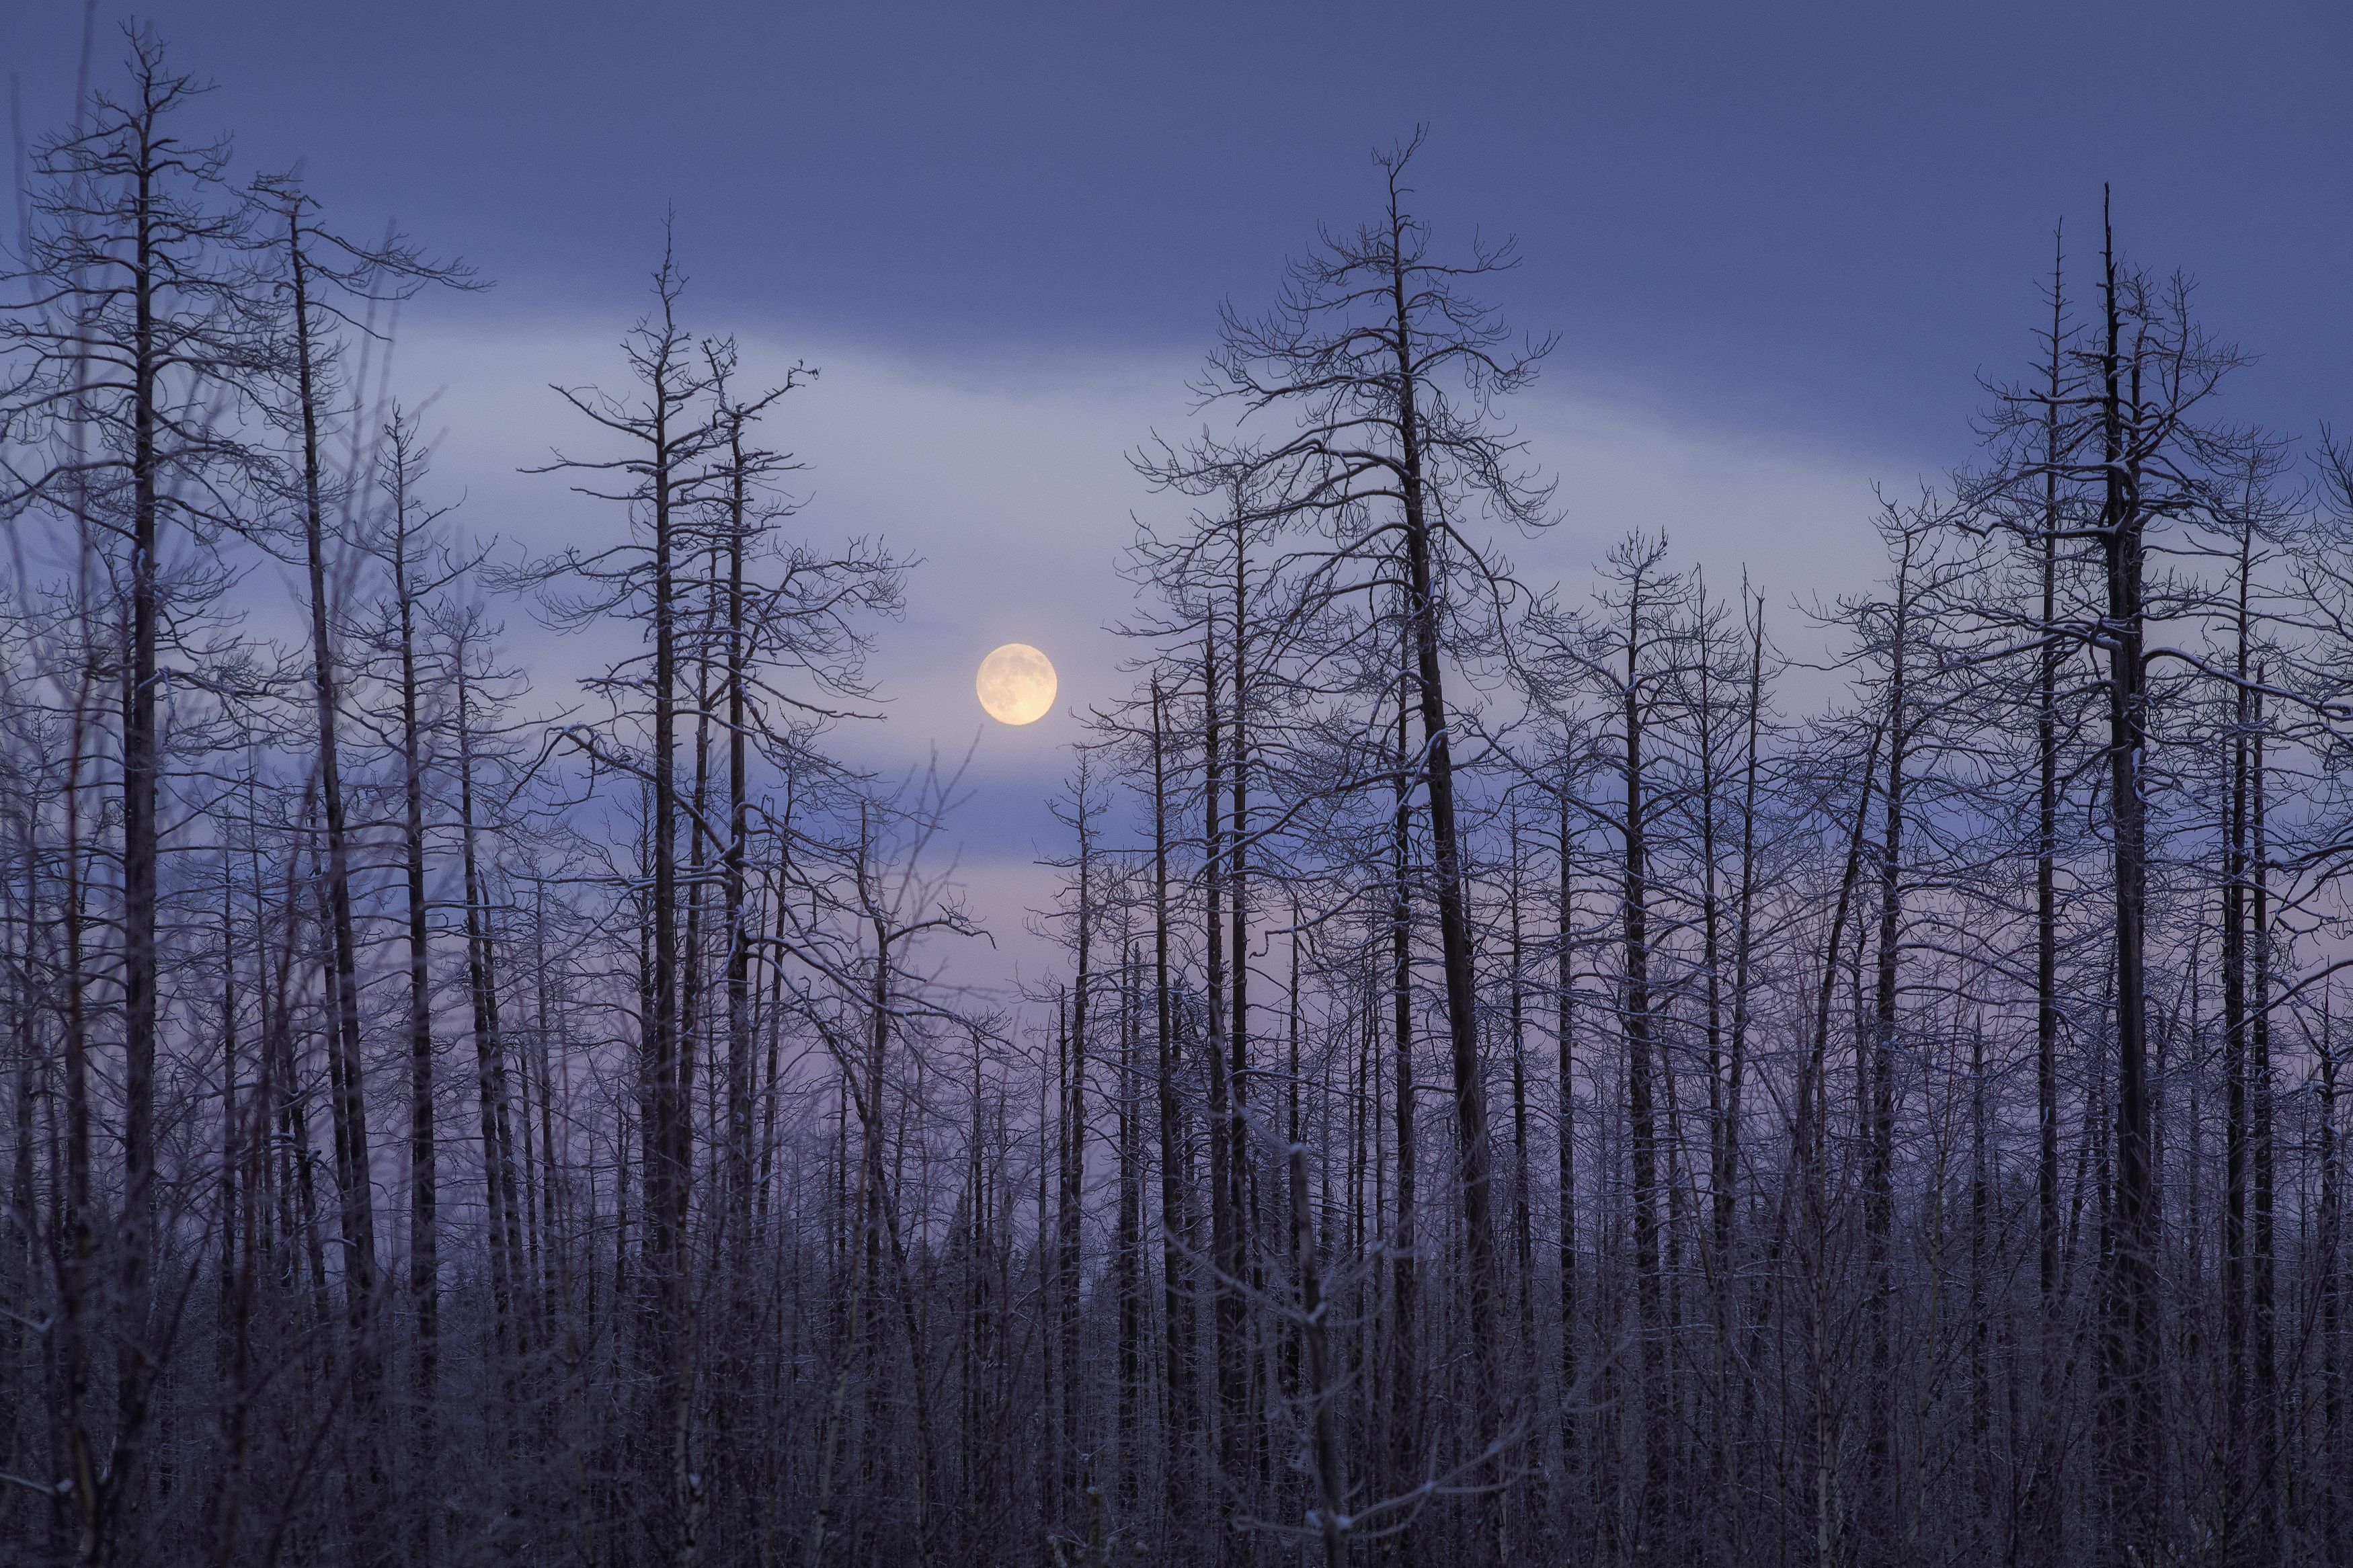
(1016, 684)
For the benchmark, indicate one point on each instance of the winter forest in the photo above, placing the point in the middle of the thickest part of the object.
(1536, 1072)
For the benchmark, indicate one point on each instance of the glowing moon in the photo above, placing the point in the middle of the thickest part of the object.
(1016, 684)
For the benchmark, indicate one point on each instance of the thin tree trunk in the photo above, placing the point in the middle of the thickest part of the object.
(423, 1236)
(2137, 1399)
(355, 1167)
(1475, 1157)
(1637, 1024)
(1179, 1243)
(1878, 1112)
(2263, 1283)
(1407, 1466)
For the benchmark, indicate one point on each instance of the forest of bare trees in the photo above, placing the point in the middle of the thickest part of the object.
(1536, 1073)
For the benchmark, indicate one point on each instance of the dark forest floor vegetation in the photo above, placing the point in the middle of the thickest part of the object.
(1518, 1091)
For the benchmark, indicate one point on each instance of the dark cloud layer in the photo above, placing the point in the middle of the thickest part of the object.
(1811, 217)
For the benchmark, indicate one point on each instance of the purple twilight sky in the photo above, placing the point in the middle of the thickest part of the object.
(1779, 244)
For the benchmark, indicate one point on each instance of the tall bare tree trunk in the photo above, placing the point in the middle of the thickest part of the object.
(2040, 1505)
(424, 1233)
(1877, 1113)
(354, 1172)
(1638, 1026)
(2137, 1501)
(1127, 1252)
(1455, 947)
(1406, 1429)
(1226, 1155)
(1572, 1392)
(1179, 1243)
(2263, 1282)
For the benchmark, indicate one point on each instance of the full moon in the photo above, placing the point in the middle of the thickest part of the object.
(1016, 684)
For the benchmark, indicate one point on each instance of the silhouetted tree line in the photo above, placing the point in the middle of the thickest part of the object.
(1524, 1087)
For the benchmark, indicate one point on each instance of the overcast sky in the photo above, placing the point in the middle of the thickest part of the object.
(1779, 244)
(1803, 217)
